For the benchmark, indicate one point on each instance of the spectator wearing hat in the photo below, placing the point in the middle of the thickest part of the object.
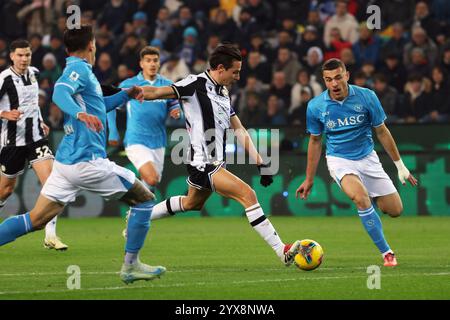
(190, 49)
(314, 59)
(140, 26)
(51, 70)
(183, 20)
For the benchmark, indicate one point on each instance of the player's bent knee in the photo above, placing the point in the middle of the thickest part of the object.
(396, 211)
(362, 201)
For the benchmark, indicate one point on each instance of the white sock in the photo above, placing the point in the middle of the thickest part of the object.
(262, 225)
(50, 228)
(131, 258)
(167, 207)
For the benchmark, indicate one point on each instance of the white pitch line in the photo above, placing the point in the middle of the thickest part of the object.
(214, 283)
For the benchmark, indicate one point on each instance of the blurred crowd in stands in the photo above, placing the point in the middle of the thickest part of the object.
(283, 43)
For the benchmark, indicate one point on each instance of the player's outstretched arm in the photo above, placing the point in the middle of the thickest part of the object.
(386, 139)
(314, 151)
(245, 140)
(153, 93)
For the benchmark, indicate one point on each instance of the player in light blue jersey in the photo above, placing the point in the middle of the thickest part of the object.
(145, 137)
(81, 162)
(346, 114)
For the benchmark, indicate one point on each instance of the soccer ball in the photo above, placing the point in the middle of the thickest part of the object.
(310, 255)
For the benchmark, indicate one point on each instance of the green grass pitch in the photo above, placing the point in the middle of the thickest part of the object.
(223, 258)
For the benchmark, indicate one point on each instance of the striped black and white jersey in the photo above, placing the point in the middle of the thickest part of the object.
(207, 109)
(20, 92)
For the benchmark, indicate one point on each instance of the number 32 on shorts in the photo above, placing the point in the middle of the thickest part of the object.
(43, 152)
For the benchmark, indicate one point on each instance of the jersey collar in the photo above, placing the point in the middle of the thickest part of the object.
(219, 88)
(140, 77)
(73, 59)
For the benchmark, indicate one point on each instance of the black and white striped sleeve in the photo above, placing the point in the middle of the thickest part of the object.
(2, 85)
(185, 87)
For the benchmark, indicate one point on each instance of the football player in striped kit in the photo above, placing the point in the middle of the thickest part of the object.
(23, 132)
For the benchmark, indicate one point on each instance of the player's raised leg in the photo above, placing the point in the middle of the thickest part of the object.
(43, 170)
(194, 200)
(355, 190)
(17, 226)
(140, 200)
(228, 185)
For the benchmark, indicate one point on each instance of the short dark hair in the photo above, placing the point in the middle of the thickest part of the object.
(224, 54)
(78, 39)
(149, 51)
(19, 44)
(333, 64)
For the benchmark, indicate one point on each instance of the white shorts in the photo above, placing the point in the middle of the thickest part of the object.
(140, 155)
(100, 176)
(368, 169)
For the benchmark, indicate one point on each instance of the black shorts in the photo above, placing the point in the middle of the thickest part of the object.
(202, 179)
(13, 159)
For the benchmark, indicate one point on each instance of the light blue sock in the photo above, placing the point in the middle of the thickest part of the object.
(138, 226)
(14, 227)
(372, 223)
